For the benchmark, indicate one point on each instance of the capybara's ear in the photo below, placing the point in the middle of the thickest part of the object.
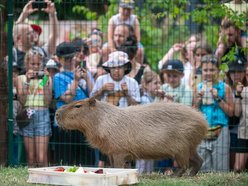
(92, 102)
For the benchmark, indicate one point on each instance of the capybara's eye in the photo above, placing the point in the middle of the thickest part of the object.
(78, 106)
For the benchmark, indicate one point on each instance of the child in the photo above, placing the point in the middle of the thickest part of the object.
(234, 77)
(215, 101)
(116, 82)
(116, 87)
(125, 16)
(242, 156)
(201, 49)
(150, 84)
(175, 89)
(35, 94)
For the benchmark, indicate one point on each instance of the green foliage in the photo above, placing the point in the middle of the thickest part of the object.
(84, 12)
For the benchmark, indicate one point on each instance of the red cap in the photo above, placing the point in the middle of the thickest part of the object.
(36, 28)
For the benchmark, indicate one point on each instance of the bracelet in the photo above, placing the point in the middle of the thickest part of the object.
(218, 99)
(238, 96)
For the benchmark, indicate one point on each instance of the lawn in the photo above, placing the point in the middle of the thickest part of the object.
(19, 176)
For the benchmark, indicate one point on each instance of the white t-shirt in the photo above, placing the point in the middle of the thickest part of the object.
(133, 88)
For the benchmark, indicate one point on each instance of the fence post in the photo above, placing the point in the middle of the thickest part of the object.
(10, 84)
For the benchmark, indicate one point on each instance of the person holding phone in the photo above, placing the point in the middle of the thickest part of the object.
(48, 7)
(72, 83)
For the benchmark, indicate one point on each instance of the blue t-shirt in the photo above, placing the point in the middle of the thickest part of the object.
(61, 83)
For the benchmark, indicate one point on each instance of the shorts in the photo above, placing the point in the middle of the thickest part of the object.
(39, 125)
(242, 146)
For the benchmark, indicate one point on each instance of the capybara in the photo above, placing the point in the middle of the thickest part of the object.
(152, 131)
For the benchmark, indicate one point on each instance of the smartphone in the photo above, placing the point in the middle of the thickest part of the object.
(39, 4)
(83, 64)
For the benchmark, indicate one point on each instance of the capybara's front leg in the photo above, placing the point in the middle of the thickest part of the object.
(195, 163)
(119, 160)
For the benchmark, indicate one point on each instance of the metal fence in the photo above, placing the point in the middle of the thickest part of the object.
(161, 23)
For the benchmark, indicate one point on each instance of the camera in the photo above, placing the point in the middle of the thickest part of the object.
(39, 4)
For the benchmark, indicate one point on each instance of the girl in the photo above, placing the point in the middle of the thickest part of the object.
(216, 103)
(241, 155)
(235, 76)
(35, 93)
(150, 85)
(201, 49)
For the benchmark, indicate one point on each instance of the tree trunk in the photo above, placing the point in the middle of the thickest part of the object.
(3, 87)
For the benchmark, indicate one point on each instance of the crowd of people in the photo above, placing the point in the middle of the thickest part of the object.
(48, 76)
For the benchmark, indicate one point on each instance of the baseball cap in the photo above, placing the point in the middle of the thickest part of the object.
(237, 65)
(66, 49)
(173, 65)
(52, 64)
(127, 4)
(36, 28)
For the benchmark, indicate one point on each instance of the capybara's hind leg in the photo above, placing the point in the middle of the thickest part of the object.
(183, 163)
(195, 163)
(178, 172)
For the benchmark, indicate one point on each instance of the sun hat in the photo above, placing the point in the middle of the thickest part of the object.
(127, 4)
(36, 28)
(117, 59)
(66, 49)
(173, 65)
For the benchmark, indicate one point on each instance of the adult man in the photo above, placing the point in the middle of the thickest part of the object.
(121, 32)
(50, 45)
(229, 38)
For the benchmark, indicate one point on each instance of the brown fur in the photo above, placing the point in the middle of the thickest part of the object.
(152, 131)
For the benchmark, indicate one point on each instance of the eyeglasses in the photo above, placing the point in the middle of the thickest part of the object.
(37, 50)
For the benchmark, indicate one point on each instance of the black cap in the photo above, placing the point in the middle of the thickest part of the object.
(173, 65)
(66, 49)
(79, 43)
(237, 65)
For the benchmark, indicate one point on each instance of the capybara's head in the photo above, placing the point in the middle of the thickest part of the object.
(77, 114)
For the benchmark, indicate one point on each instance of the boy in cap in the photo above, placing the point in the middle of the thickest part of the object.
(72, 83)
(175, 90)
(124, 16)
(116, 83)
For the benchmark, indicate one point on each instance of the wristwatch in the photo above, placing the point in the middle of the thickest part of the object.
(238, 96)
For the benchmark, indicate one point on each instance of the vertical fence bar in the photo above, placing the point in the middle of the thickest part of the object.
(10, 84)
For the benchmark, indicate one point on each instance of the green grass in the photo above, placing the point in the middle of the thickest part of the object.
(19, 176)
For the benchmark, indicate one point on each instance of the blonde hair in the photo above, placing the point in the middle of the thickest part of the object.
(30, 56)
(148, 77)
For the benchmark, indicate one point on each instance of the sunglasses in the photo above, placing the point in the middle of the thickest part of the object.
(37, 50)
